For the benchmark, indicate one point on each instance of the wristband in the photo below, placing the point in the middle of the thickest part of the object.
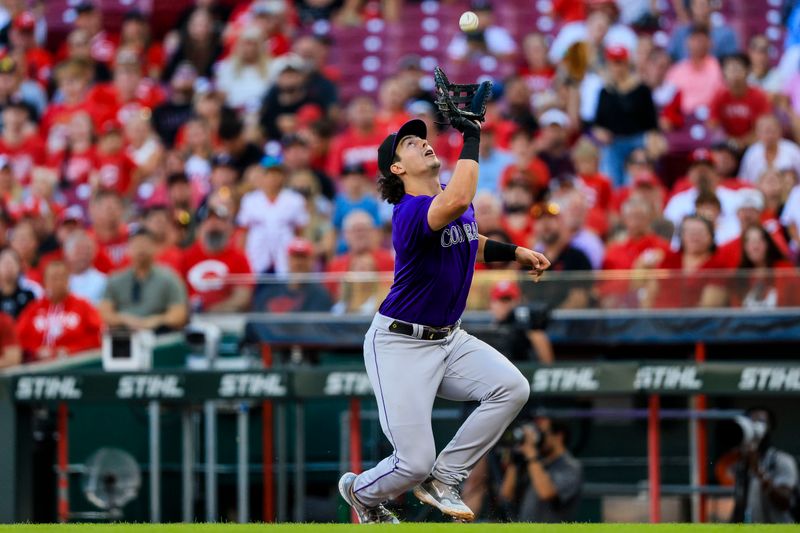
(471, 148)
(496, 251)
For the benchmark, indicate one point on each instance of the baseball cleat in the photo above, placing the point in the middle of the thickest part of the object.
(366, 515)
(444, 497)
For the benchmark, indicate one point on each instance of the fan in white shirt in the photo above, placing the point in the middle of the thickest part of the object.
(84, 280)
(771, 151)
(702, 175)
(272, 215)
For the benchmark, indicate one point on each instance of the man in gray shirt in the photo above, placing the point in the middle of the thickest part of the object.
(765, 478)
(144, 295)
(553, 477)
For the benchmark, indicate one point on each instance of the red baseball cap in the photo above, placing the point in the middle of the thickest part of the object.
(300, 247)
(505, 289)
(617, 53)
(701, 156)
(25, 21)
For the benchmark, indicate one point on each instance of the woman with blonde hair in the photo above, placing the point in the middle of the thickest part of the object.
(244, 77)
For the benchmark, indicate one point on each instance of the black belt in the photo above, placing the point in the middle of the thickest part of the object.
(428, 333)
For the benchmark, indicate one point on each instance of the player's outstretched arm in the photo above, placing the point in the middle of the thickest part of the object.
(456, 198)
(490, 251)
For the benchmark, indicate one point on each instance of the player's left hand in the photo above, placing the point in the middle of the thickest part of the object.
(537, 262)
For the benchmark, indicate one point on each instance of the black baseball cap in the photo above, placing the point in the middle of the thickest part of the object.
(388, 147)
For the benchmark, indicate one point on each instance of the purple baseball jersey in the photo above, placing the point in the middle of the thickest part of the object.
(433, 269)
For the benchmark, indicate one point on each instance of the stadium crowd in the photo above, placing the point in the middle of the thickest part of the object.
(145, 176)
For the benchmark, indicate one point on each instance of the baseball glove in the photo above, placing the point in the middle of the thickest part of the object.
(461, 103)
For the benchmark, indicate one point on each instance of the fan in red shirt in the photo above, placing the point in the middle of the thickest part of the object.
(518, 202)
(392, 101)
(135, 34)
(216, 272)
(526, 163)
(359, 143)
(695, 281)
(594, 186)
(59, 324)
(89, 18)
(38, 61)
(111, 234)
(270, 17)
(23, 151)
(114, 169)
(159, 222)
(10, 352)
(537, 71)
(750, 212)
(639, 248)
(76, 161)
(128, 92)
(362, 239)
(72, 220)
(766, 279)
(73, 78)
(737, 106)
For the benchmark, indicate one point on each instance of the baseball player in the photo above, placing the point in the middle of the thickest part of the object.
(415, 350)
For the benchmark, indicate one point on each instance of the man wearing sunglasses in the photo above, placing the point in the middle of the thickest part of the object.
(415, 349)
(144, 296)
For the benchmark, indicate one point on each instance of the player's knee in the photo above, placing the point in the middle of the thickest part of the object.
(517, 390)
(420, 465)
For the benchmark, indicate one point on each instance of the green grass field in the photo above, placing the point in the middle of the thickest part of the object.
(403, 528)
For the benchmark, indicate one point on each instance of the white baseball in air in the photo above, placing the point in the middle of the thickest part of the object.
(468, 21)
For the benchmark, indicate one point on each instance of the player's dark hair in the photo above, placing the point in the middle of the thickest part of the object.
(391, 188)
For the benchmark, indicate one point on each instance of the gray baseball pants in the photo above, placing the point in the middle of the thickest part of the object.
(407, 374)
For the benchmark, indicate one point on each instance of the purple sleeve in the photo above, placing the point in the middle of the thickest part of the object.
(410, 225)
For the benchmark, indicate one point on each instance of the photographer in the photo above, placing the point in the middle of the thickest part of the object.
(766, 478)
(543, 480)
(520, 329)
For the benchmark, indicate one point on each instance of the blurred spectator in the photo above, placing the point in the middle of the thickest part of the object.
(552, 478)
(15, 86)
(291, 92)
(272, 215)
(243, 76)
(698, 77)
(106, 214)
(23, 150)
(359, 293)
(594, 186)
(361, 237)
(297, 157)
(696, 261)
(553, 240)
(113, 167)
(526, 165)
(295, 294)
(314, 50)
(552, 144)
(723, 38)
(271, 16)
(758, 286)
(198, 44)
(726, 163)
(75, 161)
(10, 350)
(85, 281)
(537, 71)
(102, 45)
(144, 147)
(25, 242)
(521, 327)
(488, 212)
(319, 229)
(737, 106)
(79, 48)
(517, 104)
(493, 160)
(707, 205)
(489, 38)
(72, 78)
(600, 30)
(769, 151)
(704, 179)
(518, 199)
(173, 113)
(392, 112)
(625, 113)
(14, 296)
(214, 270)
(411, 77)
(157, 221)
(790, 218)
(359, 142)
(762, 75)
(37, 61)
(574, 213)
(144, 296)
(666, 96)
(356, 192)
(59, 324)
(235, 145)
(135, 35)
